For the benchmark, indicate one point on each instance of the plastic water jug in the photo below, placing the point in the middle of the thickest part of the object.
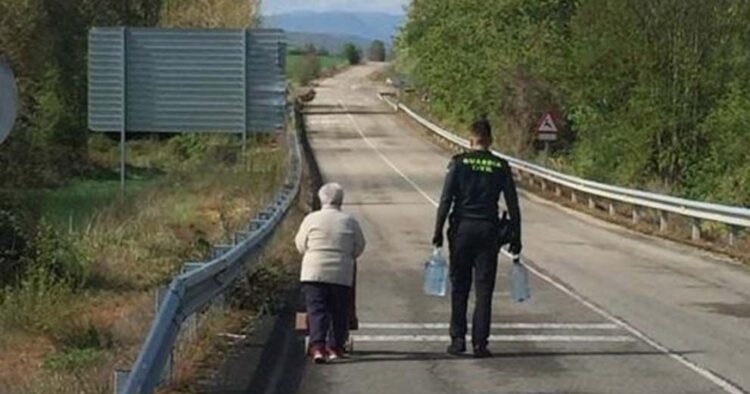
(435, 277)
(520, 290)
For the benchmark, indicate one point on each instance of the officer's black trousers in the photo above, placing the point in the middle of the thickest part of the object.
(473, 250)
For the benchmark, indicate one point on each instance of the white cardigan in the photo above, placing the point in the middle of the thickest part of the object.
(331, 241)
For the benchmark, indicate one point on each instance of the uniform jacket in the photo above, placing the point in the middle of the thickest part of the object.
(331, 241)
(473, 186)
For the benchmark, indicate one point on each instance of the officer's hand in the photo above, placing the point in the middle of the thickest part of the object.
(437, 240)
(515, 248)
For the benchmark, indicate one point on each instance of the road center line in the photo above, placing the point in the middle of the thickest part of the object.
(714, 378)
(522, 326)
(382, 156)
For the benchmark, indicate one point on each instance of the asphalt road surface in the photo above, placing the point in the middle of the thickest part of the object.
(612, 311)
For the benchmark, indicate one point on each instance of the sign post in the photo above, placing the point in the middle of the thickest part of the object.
(547, 131)
(150, 80)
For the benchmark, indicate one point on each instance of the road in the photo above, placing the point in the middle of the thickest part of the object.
(612, 311)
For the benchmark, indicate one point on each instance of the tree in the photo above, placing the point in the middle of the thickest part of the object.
(351, 53)
(377, 51)
(211, 13)
(653, 92)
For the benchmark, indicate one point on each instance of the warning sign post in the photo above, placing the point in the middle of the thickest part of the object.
(547, 130)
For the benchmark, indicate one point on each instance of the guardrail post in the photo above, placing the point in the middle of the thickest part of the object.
(612, 211)
(240, 236)
(219, 250)
(558, 191)
(636, 215)
(121, 377)
(696, 227)
(732, 236)
(592, 203)
(573, 197)
(544, 185)
(663, 223)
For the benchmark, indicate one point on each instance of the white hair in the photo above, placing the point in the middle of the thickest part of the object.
(331, 194)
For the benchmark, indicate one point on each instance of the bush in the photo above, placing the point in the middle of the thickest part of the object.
(352, 53)
(308, 69)
(73, 359)
(39, 303)
(56, 257)
(14, 242)
(377, 51)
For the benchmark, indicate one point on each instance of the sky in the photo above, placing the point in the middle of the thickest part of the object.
(280, 6)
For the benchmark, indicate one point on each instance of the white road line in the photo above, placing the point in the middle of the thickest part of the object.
(522, 326)
(496, 338)
(382, 156)
(714, 378)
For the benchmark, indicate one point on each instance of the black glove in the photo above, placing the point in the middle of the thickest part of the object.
(515, 247)
(437, 240)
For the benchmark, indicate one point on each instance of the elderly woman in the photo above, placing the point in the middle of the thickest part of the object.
(330, 241)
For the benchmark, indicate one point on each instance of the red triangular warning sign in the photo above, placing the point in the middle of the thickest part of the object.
(547, 125)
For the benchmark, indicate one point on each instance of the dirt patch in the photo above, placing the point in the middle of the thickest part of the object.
(20, 356)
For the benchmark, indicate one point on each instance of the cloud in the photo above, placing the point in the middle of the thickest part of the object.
(279, 6)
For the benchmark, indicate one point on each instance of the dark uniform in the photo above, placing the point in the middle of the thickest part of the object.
(472, 188)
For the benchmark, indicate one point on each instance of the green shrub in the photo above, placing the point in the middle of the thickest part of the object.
(14, 242)
(352, 53)
(57, 257)
(307, 69)
(72, 359)
(40, 303)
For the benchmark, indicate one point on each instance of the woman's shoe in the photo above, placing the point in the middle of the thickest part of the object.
(319, 356)
(334, 354)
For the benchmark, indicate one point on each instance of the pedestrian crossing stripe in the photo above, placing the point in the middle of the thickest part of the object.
(497, 338)
(521, 326)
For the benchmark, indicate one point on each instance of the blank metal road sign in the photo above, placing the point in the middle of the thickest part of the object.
(8, 99)
(186, 80)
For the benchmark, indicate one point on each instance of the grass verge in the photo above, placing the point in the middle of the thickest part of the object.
(62, 335)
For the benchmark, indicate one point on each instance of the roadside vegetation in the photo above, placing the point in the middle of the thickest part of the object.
(649, 95)
(352, 53)
(309, 63)
(79, 260)
(377, 52)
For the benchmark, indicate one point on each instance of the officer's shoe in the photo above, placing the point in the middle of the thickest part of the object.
(457, 346)
(482, 352)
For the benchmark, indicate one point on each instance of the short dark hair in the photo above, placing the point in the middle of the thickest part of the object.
(482, 130)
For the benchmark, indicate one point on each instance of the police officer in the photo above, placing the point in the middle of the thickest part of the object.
(473, 186)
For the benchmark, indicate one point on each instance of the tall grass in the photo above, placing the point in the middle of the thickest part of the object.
(206, 189)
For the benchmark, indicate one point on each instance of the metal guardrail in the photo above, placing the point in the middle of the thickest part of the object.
(192, 291)
(732, 216)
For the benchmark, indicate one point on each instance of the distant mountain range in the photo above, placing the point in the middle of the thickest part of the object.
(331, 30)
(331, 42)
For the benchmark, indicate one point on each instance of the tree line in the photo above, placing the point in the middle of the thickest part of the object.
(651, 94)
